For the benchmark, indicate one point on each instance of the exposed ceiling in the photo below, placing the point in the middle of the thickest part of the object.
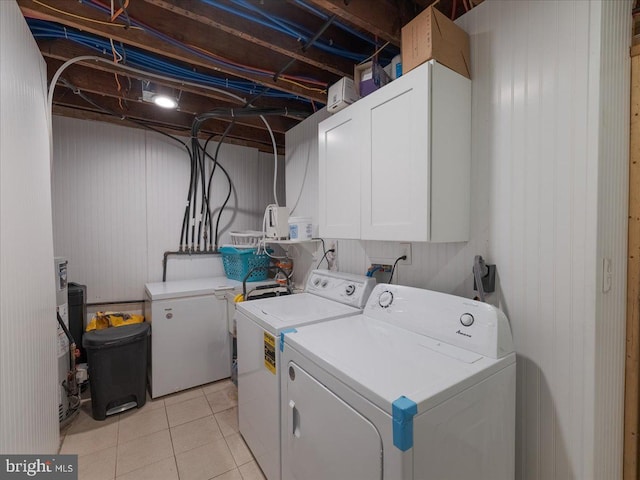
(279, 55)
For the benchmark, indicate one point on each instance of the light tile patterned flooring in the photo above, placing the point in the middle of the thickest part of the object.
(191, 435)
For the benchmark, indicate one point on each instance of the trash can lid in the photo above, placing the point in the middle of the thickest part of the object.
(115, 336)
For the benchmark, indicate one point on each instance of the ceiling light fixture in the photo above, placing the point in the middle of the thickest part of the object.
(165, 101)
(162, 96)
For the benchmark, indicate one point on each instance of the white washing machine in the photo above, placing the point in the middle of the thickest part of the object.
(259, 323)
(421, 385)
(190, 341)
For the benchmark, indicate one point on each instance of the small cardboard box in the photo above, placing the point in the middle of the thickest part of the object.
(431, 35)
(341, 94)
(368, 77)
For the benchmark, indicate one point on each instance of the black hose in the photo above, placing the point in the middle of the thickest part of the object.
(208, 223)
(215, 164)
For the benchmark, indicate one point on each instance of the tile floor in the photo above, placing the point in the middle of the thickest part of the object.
(191, 435)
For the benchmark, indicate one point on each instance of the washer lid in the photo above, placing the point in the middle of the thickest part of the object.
(276, 313)
(383, 362)
(189, 288)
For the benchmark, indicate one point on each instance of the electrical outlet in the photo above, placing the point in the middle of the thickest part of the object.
(405, 249)
(332, 257)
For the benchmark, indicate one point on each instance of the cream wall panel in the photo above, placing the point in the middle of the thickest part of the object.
(119, 198)
(28, 374)
(100, 211)
(612, 237)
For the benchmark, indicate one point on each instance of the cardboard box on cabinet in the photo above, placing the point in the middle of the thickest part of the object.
(368, 77)
(431, 35)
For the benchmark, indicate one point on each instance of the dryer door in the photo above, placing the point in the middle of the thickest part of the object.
(323, 436)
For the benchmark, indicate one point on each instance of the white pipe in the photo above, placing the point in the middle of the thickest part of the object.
(275, 157)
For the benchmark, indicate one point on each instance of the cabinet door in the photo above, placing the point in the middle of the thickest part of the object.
(339, 175)
(395, 159)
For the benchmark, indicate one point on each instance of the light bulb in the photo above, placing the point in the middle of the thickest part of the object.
(165, 101)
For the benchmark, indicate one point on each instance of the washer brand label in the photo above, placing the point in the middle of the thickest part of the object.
(464, 334)
(270, 352)
(52, 467)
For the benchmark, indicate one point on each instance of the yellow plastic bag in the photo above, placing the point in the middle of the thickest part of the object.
(103, 320)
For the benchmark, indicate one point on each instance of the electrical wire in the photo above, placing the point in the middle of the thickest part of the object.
(150, 66)
(80, 17)
(121, 10)
(322, 240)
(393, 269)
(183, 46)
(281, 25)
(374, 53)
(216, 163)
(325, 256)
(285, 78)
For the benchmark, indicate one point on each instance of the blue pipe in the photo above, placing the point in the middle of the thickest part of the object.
(138, 59)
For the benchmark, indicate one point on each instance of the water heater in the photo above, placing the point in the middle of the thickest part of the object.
(62, 344)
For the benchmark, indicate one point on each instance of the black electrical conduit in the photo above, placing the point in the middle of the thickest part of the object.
(216, 163)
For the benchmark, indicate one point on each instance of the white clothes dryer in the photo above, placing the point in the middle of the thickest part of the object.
(421, 385)
(259, 323)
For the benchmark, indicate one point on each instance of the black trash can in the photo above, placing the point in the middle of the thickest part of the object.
(117, 359)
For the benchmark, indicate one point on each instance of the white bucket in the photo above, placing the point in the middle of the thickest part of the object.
(300, 228)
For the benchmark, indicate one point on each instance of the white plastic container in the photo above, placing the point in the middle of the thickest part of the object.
(300, 228)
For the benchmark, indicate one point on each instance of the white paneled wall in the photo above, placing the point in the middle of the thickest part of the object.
(28, 375)
(119, 196)
(549, 191)
(613, 168)
(99, 206)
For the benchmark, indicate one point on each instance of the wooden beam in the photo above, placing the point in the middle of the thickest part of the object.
(256, 34)
(64, 50)
(104, 83)
(632, 367)
(382, 18)
(168, 118)
(209, 40)
(90, 115)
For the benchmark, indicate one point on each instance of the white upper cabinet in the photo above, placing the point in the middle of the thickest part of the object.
(339, 176)
(408, 159)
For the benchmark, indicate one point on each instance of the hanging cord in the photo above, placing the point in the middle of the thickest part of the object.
(304, 179)
(216, 163)
(393, 269)
(327, 252)
(479, 271)
(204, 201)
(275, 160)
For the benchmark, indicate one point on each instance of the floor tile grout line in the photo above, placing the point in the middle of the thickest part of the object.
(115, 464)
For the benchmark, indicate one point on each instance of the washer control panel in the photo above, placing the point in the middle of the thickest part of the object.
(457, 321)
(345, 288)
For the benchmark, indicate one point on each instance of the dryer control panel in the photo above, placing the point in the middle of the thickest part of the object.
(353, 290)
